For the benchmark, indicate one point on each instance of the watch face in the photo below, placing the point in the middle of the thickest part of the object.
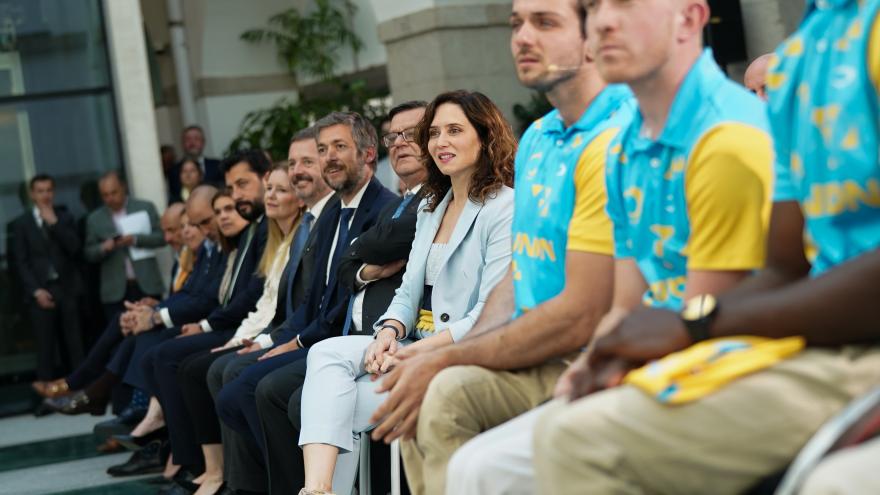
(699, 307)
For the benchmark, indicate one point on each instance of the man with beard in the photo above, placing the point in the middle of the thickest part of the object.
(244, 174)
(197, 424)
(549, 304)
(372, 270)
(346, 144)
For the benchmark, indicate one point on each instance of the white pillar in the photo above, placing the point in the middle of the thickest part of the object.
(134, 100)
(134, 107)
(181, 63)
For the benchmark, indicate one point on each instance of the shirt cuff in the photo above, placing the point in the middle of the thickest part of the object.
(360, 281)
(166, 317)
(265, 340)
(206, 327)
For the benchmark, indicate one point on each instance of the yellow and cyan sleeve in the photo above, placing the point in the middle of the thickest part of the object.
(728, 189)
(874, 53)
(590, 226)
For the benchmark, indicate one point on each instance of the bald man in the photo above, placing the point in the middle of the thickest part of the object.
(756, 74)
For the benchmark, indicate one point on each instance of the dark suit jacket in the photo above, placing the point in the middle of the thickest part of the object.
(306, 269)
(100, 227)
(36, 250)
(199, 295)
(322, 312)
(389, 240)
(248, 286)
(213, 176)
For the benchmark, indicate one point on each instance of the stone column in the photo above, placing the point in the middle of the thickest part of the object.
(445, 46)
(134, 105)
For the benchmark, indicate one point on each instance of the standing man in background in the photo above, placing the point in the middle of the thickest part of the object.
(122, 278)
(46, 244)
(192, 139)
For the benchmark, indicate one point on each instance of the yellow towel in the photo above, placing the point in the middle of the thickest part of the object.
(705, 367)
(426, 321)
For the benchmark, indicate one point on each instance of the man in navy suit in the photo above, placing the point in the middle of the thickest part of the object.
(347, 144)
(193, 141)
(46, 245)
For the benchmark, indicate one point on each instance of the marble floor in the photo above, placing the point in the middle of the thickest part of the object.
(56, 454)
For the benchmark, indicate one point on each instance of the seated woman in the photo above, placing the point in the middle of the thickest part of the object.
(284, 210)
(460, 251)
(231, 225)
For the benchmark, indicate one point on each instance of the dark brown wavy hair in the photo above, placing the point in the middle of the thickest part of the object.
(497, 148)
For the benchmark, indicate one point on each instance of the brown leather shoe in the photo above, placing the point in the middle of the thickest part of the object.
(110, 446)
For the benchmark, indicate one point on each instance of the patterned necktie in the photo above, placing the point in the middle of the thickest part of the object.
(296, 252)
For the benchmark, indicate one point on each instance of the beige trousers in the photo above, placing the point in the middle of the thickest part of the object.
(623, 441)
(852, 471)
(462, 402)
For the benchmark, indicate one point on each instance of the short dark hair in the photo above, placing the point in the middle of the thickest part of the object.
(405, 106)
(193, 127)
(256, 160)
(41, 178)
(309, 133)
(362, 130)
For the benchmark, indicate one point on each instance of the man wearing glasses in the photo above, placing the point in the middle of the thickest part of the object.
(371, 269)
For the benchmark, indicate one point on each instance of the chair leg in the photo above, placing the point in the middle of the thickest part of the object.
(364, 465)
(395, 467)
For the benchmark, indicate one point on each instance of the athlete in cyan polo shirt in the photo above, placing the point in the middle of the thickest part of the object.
(561, 274)
(718, 411)
(688, 185)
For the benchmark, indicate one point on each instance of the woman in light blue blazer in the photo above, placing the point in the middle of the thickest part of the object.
(460, 251)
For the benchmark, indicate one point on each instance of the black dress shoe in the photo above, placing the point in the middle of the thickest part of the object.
(145, 461)
(120, 425)
(178, 488)
(43, 409)
(136, 443)
(78, 403)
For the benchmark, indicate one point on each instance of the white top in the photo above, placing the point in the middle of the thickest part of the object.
(434, 263)
(262, 315)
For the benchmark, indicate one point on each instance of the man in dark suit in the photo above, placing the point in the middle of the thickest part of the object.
(371, 271)
(46, 246)
(193, 141)
(244, 173)
(347, 149)
(124, 276)
(200, 423)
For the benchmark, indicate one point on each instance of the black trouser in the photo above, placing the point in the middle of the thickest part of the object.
(50, 324)
(243, 463)
(278, 398)
(193, 379)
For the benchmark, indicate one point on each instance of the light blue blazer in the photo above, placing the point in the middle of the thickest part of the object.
(477, 258)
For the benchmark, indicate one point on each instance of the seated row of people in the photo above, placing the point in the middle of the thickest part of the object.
(581, 332)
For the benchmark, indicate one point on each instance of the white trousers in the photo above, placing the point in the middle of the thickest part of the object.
(337, 401)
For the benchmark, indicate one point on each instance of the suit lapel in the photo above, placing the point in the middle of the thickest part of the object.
(462, 227)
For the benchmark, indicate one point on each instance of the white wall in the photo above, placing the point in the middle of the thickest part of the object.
(224, 114)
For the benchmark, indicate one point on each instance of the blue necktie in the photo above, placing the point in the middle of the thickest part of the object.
(407, 198)
(341, 238)
(296, 251)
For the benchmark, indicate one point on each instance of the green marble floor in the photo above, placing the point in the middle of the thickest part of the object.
(56, 455)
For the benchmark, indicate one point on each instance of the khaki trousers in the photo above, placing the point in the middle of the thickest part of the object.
(622, 441)
(462, 402)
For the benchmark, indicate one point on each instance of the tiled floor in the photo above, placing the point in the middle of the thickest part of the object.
(56, 454)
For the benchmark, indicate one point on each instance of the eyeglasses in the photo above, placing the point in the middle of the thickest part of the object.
(408, 135)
